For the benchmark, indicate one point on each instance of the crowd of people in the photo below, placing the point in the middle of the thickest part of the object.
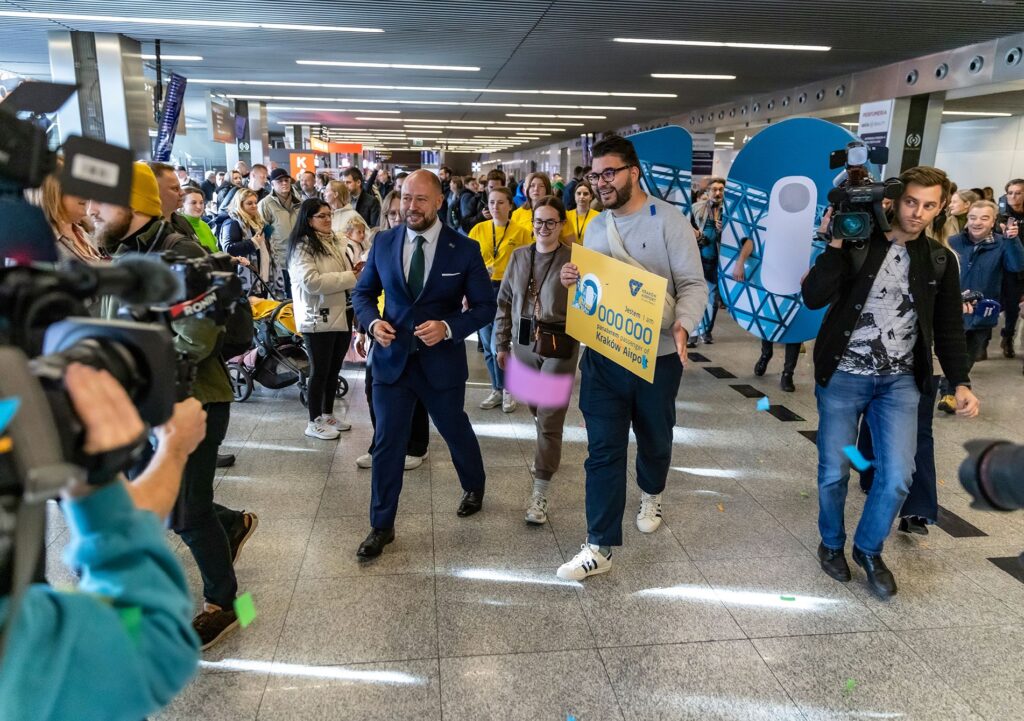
(456, 256)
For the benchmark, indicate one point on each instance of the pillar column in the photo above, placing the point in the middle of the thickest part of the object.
(113, 104)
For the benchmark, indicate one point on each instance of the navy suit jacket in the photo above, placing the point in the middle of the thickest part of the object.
(458, 271)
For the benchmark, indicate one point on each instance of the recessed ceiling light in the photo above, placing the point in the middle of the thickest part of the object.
(852, 125)
(333, 110)
(545, 115)
(183, 22)
(723, 142)
(394, 66)
(712, 44)
(976, 113)
(292, 98)
(418, 88)
(691, 76)
(195, 58)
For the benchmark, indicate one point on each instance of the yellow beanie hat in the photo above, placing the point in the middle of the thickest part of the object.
(145, 192)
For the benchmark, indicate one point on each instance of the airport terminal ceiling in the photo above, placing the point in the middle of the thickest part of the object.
(563, 45)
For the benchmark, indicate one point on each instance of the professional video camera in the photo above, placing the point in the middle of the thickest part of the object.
(993, 474)
(857, 198)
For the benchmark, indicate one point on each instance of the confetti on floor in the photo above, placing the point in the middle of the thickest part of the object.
(245, 609)
(788, 598)
(857, 458)
(805, 494)
(764, 404)
(721, 508)
(850, 685)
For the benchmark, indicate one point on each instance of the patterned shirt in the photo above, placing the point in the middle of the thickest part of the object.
(882, 342)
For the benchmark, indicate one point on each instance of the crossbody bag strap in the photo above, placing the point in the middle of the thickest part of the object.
(619, 252)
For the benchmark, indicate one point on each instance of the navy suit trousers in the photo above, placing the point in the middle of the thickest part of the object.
(393, 404)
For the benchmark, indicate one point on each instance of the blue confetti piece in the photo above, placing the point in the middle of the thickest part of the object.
(8, 409)
(654, 211)
(856, 458)
(764, 404)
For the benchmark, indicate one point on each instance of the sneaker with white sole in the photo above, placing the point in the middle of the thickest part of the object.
(365, 461)
(412, 462)
(588, 562)
(321, 431)
(329, 419)
(537, 511)
(508, 403)
(493, 400)
(649, 517)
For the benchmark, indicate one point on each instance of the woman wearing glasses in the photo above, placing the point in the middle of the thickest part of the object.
(321, 277)
(498, 238)
(577, 219)
(531, 325)
(535, 187)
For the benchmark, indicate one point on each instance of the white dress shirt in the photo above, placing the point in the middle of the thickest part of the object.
(430, 235)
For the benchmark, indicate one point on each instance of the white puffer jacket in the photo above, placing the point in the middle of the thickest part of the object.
(320, 286)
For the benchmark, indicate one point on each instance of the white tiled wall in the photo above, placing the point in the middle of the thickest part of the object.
(987, 151)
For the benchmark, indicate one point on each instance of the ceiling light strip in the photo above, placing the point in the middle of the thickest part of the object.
(184, 22)
(715, 44)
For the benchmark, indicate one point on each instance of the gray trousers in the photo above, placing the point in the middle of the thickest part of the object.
(549, 421)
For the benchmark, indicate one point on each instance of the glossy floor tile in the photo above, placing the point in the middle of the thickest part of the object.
(722, 614)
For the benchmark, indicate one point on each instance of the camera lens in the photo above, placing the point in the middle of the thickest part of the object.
(852, 225)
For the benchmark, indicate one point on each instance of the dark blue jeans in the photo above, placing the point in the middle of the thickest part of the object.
(889, 405)
(202, 524)
(489, 341)
(611, 399)
(923, 500)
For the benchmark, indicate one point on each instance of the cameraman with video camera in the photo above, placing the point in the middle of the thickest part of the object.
(121, 646)
(214, 534)
(893, 296)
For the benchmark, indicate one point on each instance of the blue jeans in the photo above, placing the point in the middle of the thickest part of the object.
(612, 398)
(889, 405)
(491, 350)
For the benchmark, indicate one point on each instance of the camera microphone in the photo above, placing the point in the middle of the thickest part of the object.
(136, 279)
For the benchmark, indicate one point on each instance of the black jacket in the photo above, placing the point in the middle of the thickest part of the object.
(934, 283)
(368, 207)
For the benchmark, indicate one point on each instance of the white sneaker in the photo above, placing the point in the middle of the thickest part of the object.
(588, 562)
(412, 462)
(649, 517)
(493, 400)
(537, 512)
(315, 429)
(508, 403)
(365, 461)
(329, 419)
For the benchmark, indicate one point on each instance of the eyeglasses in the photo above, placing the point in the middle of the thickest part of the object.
(321, 216)
(608, 175)
(548, 224)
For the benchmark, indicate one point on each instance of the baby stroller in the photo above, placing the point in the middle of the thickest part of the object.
(278, 358)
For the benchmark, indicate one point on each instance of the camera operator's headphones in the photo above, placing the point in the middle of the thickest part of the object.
(37, 472)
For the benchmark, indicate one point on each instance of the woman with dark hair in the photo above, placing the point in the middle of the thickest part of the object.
(577, 219)
(530, 324)
(535, 187)
(321, 277)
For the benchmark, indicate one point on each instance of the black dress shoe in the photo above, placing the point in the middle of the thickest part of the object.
(471, 503)
(761, 367)
(374, 544)
(880, 578)
(707, 339)
(786, 383)
(914, 524)
(225, 460)
(834, 563)
(1007, 346)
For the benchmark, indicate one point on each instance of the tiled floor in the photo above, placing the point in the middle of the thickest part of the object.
(465, 619)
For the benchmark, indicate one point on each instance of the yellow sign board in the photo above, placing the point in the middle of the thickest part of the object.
(616, 310)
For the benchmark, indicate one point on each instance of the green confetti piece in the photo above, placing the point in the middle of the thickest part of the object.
(245, 609)
(850, 685)
(131, 619)
(805, 494)
(788, 598)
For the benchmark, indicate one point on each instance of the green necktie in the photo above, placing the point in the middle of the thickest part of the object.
(417, 268)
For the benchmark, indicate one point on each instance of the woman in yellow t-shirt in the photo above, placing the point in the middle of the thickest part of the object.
(498, 237)
(577, 219)
(535, 187)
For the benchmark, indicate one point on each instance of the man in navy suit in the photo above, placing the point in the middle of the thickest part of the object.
(425, 270)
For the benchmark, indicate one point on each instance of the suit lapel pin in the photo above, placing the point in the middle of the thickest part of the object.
(451, 245)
